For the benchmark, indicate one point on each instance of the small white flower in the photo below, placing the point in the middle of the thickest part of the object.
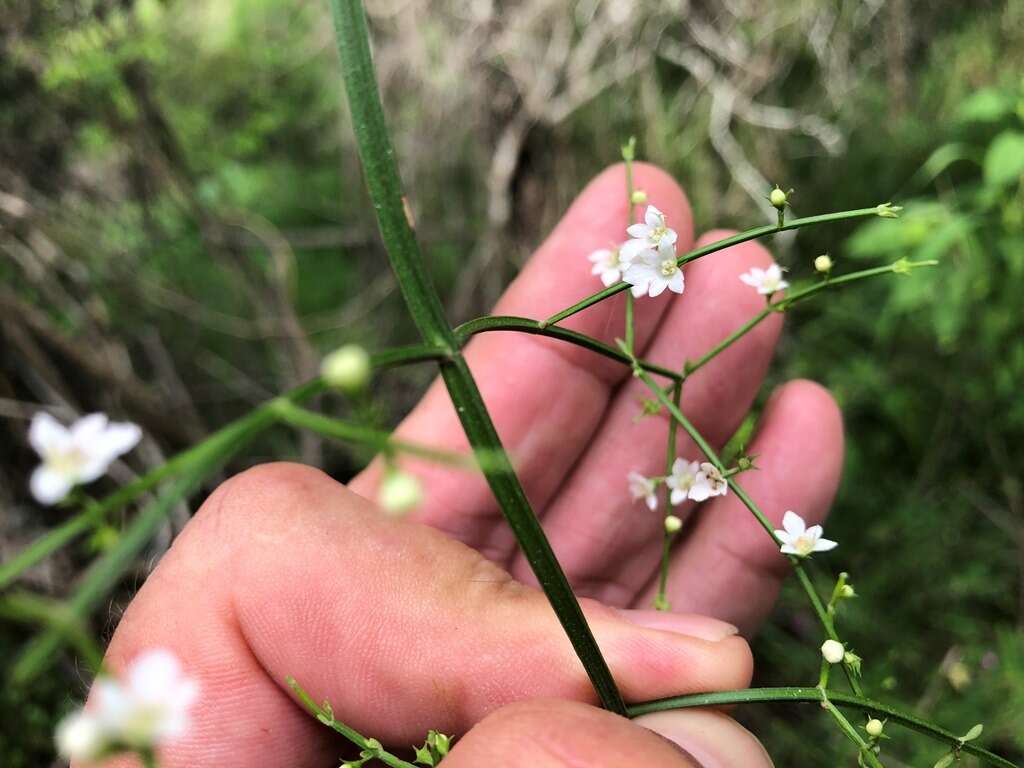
(80, 737)
(709, 482)
(150, 706)
(651, 272)
(797, 539)
(683, 478)
(76, 455)
(766, 281)
(399, 492)
(641, 487)
(648, 236)
(607, 265)
(833, 651)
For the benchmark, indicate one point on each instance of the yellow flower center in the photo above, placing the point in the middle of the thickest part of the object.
(668, 267)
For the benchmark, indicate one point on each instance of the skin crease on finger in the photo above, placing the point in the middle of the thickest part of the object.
(285, 572)
(546, 397)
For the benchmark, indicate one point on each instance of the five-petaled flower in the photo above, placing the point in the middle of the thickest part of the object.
(710, 482)
(652, 271)
(766, 281)
(608, 265)
(641, 487)
(648, 236)
(149, 708)
(682, 480)
(76, 455)
(797, 539)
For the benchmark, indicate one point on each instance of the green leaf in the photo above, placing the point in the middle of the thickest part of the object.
(1004, 160)
(989, 105)
(945, 760)
(974, 733)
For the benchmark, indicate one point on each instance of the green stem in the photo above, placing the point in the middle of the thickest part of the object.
(384, 186)
(28, 608)
(326, 716)
(851, 733)
(712, 456)
(525, 325)
(289, 413)
(718, 245)
(802, 695)
(661, 599)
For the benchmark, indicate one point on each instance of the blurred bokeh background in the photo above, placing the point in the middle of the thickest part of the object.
(183, 233)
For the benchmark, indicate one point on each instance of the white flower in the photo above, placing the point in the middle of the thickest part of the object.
(150, 707)
(766, 281)
(76, 455)
(683, 478)
(833, 651)
(651, 272)
(648, 236)
(607, 265)
(399, 492)
(641, 487)
(80, 737)
(797, 539)
(709, 482)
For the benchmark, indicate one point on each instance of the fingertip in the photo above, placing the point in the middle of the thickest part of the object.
(714, 739)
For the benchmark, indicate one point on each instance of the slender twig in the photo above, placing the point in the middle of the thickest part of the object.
(661, 600)
(718, 245)
(799, 695)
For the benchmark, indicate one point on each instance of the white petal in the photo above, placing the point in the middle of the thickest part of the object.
(774, 272)
(677, 496)
(670, 237)
(154, 675)
(814, 532)
(610, 277)
(118, 438)
(786, 549)
(601, 256)
(824, 545)
(794, 524)
(638, 291)
(676, 284)
(652, 501)
(88, 428)
(783, 285)
(783, 536)
(640, 231)
(46, 434)
(631, 249)
(700, 491)
(49, 486)
(657, 287)
(679, 466)
(653, 216)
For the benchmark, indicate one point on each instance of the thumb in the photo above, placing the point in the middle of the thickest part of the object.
(284, 572)
(564, 734)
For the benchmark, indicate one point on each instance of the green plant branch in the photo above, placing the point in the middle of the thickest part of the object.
(815, 695)
(718, 245)
(325, 715)
(712, 456)
(851, 733)
(661, 600)
(391, 208)
(29, 608)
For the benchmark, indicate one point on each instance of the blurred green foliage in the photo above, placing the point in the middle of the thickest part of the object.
(159, 143)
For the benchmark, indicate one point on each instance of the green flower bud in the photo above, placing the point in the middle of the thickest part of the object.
(778, 198)
(639, 197)
(823, 264)
(347, 368)
(847, 591)
(874, 727)
(399, 492)
(673, 524)
(889, 211)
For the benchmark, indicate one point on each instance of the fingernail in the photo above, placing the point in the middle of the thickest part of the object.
(702, 627)
(713, 739)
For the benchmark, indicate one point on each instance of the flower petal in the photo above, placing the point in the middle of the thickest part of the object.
(794, 524)
(46, 434)
(88, 428)
(824, 545)
(117, 439)
(49, 486)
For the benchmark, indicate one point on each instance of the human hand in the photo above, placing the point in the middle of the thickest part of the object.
(284, 572)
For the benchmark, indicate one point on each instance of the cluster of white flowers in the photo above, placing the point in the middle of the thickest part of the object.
(148, 709)
(696, 481)
(647, 260)
(75, 455)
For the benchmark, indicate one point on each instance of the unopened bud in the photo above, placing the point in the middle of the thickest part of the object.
(639, 197)
(399, 492)
(823, 264)
(347, 368)
(672, 524)
(847, 591)
(833, 651)
(874, 727)
(778, 198)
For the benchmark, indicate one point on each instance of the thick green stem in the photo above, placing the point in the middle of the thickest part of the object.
(742, 237)
(382, 180)
(802, 695)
